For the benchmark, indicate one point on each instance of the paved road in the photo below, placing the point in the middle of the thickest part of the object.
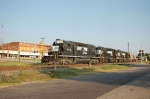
(82, 87)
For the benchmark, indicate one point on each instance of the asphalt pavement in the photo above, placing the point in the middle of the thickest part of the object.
(136, 89)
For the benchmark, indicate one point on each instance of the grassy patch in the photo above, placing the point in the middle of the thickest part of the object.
(62, 73)
(65, 73)
(22, 76)
(15, 63)
(84, 71)
(76, 72)
(147, 62)
(111, 68)
(45, 74)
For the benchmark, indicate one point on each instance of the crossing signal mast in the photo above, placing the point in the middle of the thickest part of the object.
(41, 48)
(141, 52)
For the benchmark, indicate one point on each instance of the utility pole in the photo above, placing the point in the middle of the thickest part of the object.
(1, 42)
(41, 47)
(42, 40)
(2, 33)
(19, 54)
(128, 47)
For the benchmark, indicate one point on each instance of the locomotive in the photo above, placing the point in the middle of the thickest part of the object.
(69, 52)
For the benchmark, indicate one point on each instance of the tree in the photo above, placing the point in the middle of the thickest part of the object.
(148, 56)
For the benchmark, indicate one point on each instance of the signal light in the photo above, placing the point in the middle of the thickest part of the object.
(141, 51)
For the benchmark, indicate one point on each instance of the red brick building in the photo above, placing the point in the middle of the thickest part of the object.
(15, 49)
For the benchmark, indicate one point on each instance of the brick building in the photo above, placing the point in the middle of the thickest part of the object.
(21, 49)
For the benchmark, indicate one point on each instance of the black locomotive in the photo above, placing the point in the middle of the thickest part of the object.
(69, 52)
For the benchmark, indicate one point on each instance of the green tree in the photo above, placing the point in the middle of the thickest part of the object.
(148, 56)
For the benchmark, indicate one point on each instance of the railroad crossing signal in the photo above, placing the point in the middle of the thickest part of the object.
(141, 51)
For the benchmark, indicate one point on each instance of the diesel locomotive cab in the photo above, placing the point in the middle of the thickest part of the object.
(63, 47)
(56, 49)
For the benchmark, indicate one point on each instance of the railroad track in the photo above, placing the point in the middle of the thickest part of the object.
(13, 68)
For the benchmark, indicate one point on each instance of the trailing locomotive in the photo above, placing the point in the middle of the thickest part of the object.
(69, 52)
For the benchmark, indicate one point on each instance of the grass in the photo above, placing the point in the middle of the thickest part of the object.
(15, 63)
(21, 77)
(112, 68)
(25, 75)
(76, 72)
(147, 62)
(62, 73)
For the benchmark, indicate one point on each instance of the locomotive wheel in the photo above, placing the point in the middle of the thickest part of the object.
(68, 62)
(60, 63)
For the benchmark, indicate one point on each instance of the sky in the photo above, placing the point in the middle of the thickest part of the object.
(107, 23)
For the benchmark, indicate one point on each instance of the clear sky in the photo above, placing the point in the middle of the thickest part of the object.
(107, 23)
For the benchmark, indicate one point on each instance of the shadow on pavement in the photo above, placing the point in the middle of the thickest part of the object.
(140, 74)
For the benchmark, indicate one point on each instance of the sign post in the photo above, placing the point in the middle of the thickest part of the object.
(19, 55)
(55, 60)
(34, 57)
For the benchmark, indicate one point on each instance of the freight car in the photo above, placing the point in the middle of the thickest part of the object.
(69, 52)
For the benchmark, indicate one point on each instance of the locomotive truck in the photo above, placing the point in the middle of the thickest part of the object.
(69, 52)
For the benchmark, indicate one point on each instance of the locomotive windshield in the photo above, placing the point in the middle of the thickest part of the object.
(98, 52)
(54, 48)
